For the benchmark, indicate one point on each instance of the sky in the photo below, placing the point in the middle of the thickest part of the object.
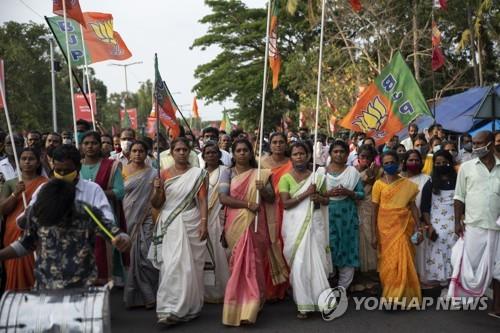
(167, 27)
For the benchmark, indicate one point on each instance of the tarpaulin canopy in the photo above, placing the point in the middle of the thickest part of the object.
(486, 127)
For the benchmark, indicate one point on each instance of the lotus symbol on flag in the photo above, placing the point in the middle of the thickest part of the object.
(373, 117)
(104, 31)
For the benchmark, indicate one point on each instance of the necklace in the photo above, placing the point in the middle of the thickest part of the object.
(217, 178)
(179, 172)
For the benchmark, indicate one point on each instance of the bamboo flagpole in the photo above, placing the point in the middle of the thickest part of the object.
(65, 16)
(9, 126)
(87, 75)
(263, 107)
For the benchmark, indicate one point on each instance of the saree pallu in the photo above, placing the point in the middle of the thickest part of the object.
(250, 252)
(19, 271)
(398, 275)
(177, 250)
(142, 278)
(216, 253)
(306, 249)
(275, 224)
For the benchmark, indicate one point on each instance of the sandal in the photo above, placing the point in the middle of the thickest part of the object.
(302, 315)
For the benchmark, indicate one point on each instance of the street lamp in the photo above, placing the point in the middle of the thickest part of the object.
(126, 82)
(50, 39)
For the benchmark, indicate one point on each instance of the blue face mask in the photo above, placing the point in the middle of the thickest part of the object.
(391, 169)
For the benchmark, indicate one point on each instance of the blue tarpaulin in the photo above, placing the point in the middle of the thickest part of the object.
(486, 127)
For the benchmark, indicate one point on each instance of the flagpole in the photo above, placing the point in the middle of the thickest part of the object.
(262, 108)
(318, 87)
(157, 115)
(11, 134)
(88, 78)
(68, 58)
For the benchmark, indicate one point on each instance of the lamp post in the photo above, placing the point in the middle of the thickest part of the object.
(126, 82)
(50, 40)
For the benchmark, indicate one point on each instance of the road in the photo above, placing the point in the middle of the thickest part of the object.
(281, 317)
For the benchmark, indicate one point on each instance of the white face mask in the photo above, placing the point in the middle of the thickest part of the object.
(155, 155)
(125, 145)
(436, 148)
(67, 141)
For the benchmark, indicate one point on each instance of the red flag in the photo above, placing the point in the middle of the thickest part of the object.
(274, 54)
(132, 116)
(438, 59)
(195, 108)
(2, 82)
(356, 5)
(73, 10)
(441, 4)
(81, 107)
(166, 106)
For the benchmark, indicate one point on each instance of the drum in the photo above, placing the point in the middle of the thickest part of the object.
(69, 310)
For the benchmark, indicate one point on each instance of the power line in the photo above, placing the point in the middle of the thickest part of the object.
(34, 11)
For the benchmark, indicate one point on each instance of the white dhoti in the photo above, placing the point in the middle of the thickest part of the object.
(476, 261)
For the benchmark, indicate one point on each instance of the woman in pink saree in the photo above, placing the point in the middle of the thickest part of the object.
(250, 250)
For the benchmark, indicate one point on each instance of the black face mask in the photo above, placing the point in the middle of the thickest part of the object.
(443, 169)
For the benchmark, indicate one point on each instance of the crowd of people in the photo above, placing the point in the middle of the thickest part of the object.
(186, 221)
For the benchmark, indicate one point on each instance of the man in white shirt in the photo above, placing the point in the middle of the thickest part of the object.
(212, 134)
(412, 134)
(7, 164)
(477, 196)
(127, 137)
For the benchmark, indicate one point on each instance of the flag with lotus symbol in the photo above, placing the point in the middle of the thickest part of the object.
(101, 41)
(166, 106)
(389, 104)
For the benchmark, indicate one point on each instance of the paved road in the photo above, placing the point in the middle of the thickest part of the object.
(280, 317)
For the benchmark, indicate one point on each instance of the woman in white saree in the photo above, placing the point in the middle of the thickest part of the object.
(305, 239)
(179, 240)
(216, 255)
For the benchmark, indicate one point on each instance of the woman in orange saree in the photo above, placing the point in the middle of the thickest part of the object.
(250, 250)
(279, 164)
(19, 271)
(395, 215)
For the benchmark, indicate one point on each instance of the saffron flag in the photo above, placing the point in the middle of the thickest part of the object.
(389, 104)
(128, 119)
(166, 106)
(437, 60)
(101, 41)
(2, 82)
(356, 5)
(274, 55)
(225, 124)
(441, 4)
(195, 108)
(73, 10)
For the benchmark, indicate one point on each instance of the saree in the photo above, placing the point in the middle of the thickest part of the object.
(306, 247)
(367, 254)
(276, 291)
(214, 293)
(19, 271)
(142, 278)
(250, 252)
(177, 250)
(395, 226)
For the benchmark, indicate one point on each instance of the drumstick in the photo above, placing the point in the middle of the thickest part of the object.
(99, 224)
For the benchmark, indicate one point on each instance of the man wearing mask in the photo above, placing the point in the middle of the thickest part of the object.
(477, 196)
(82, 126)
(466, 149)
(412, 134)
(67, 138)
(212, 134)
(127, 137)
(422, 146)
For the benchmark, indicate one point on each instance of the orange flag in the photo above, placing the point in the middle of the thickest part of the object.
(73, 10)
(356, 5)
(2, 83)
(274, 55)
(195, 108)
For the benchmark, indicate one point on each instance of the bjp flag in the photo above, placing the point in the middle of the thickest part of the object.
(389, 104)
(73, 10)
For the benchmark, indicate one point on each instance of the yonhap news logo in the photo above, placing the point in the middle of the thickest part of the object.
(333, 303)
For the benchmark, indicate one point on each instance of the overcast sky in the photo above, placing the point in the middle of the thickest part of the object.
(167, 27)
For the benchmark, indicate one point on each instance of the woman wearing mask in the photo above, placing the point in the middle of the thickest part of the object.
(305, 239)
(401, 151)
(19, 272)
(367, 253)
(452, 148)
(344, 187)
(142, 278)
(420, 144)
(439, 218)
(179, 240)
(214, 292)
(250, 250)
(279, 164)
(395, 217)
(412, 166)
(107, 174)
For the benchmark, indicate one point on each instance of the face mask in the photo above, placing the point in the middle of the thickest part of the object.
(70, 177)
(67, 141)
(422, 150)
(443, 169)
(468, 146)
(436, 148)
(360, 143)
(413, 168)
(391, 169)
(79, 135)
(125, 145)
(385, 149)
(453, 153)
(481, 152)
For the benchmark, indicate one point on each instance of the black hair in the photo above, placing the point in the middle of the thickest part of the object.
(210, 130)
(141, 143)
(369, 149)
(128, 129)
(182, 139)
(390, 153)
(253, 161)
(466, 135)
(105, 135)
(436, 181)
(54, 202)
(407, 156)
(433, 126)
(67, 152)
(94, 134)
(371, 139)
(83, 123)
(401, 145)
(413, 125)
(434, 139)
(235, 134)
(340, 143)
(210, 144)
(2, 136)
(283, 136)
(421, 137)
(300, 144)
(35, 132)
(35, 152)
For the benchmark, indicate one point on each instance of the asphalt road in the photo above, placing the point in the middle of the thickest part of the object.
(281, 317)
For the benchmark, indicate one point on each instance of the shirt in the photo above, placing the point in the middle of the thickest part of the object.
(65, 251)
(225, 158)
(408, 143)
(124, 160)
(167, 160)
(7, 171)
(479, 190)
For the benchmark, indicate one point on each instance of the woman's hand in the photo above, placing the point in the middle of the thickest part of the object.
(157, 183)
(20, 188)
(202, 230)
(311, 190)
(253, 206)
(122, 242)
